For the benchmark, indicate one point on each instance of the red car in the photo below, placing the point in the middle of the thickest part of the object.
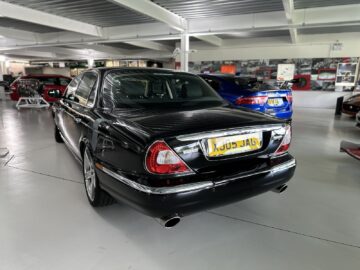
(49, 82)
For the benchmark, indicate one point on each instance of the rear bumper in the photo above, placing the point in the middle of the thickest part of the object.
(187, 199)
(351, 113)
(283, 113)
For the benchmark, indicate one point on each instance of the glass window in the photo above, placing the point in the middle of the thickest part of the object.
(64, 81)
(87, 84)
(146, 89)
(72, 87)
(47, 80)
(91, 99)
(254, 85)
(213, 83)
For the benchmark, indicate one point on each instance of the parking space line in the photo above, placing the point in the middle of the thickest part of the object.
(44, 174)
(284, 230)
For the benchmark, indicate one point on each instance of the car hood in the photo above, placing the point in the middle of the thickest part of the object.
(150, 124)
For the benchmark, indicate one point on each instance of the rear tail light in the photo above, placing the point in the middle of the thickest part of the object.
(285, 143)
(289, 98)
(259, 100)
(160, 159)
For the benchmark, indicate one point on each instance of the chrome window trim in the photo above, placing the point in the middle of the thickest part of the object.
(193, 186)
(95, 88)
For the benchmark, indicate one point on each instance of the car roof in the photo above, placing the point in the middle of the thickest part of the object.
(221, 75)
(44, 76)
(137, 69)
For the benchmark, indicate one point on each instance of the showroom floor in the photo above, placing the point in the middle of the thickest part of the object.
(47, 223)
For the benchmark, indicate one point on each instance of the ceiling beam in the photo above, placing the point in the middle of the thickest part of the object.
(234, 23)
(62, 51)
(289, 12)
(152, 10)
(211, 39)
(152, 45)
(38, 17)
(102, 49)
(322, 16)
(18, 34)
(30, 53)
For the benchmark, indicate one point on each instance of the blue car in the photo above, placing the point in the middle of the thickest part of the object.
(252, 94)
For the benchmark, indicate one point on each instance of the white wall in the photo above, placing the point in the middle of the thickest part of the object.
(17, 68)
(48, 70)
(57, 71)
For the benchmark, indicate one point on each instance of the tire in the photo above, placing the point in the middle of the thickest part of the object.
(96, 196)
(58, 137)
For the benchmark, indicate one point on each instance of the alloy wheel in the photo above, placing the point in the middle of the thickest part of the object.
(89, 175)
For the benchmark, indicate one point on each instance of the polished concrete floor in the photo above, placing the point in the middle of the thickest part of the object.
(46, 222)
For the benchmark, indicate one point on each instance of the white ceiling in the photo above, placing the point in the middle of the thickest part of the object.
(143, 28)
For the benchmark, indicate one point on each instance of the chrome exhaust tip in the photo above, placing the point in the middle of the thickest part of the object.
(280, 189)
(169, 222)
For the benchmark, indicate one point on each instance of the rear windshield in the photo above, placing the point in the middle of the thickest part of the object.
(252, 84)
(157, 90)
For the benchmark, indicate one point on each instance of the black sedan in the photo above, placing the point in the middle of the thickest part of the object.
(167, 144)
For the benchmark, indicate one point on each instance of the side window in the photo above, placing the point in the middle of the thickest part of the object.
(213, 83)
(91, 99)
(72, 87)
(64, 81)
(87, 84)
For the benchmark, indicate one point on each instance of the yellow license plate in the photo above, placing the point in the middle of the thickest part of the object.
(275, 101)
(232, 145)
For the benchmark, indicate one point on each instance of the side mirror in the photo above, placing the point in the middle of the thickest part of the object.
(73, 98)
(55, 93)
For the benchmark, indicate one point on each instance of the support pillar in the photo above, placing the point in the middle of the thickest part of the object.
(185, 48)
(91, 63)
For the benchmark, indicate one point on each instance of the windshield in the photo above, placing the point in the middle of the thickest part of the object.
(146, 89)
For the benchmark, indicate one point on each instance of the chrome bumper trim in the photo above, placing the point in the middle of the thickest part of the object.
(158, 190)
(193, 186)
(229, 132)
(278, 168)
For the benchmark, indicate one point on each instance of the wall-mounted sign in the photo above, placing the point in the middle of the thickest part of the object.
(337, 46)
(229, 69)
(285, 72)
(346, 74)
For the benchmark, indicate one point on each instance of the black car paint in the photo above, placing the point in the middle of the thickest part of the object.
(119, 140)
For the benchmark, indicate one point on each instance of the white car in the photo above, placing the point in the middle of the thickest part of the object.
(358, 119)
